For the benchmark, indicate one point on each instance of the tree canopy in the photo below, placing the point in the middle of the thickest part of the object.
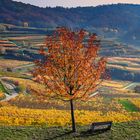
(71, 68)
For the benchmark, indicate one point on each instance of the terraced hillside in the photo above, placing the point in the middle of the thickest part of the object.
(23, 43)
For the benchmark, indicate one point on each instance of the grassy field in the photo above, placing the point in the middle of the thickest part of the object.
(129, 106)
(2, 92)
(13, 74)
(120, 131)
(7, 63)
(2, 89)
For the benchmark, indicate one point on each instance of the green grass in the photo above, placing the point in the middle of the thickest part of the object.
(12, 74)
(129, 106)
(2, 89)
(122, 131)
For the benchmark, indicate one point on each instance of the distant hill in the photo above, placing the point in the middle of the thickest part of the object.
(120, 21)
(112, 16)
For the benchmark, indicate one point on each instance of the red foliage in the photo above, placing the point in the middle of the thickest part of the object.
(71, 68)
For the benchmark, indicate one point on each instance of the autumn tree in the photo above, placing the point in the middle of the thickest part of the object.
(71, 68)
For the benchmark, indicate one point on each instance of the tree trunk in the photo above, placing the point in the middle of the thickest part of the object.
(72, 116)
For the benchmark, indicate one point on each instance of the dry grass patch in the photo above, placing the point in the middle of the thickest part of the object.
(4, 63)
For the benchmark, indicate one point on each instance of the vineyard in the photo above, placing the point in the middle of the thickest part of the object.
(30, 110)
(52, 117)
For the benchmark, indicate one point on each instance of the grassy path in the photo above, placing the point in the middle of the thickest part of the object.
(131, 85)
(2, 89)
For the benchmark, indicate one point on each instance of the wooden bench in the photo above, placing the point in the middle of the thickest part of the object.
(100, 126)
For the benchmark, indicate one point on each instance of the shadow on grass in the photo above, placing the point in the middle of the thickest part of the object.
(82, 134)
(91, 133)
(59, 136)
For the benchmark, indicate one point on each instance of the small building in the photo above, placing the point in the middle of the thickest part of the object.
(2, 28)
(137, 89)
(25, 24)
(2, 50)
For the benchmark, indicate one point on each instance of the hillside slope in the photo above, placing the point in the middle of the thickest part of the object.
(113, 16)
(121, 21)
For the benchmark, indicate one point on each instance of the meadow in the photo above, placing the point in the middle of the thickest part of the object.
(120, 131)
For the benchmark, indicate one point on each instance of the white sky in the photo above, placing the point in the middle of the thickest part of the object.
(75, 3)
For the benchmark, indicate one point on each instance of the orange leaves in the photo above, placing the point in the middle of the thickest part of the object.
(71, 64)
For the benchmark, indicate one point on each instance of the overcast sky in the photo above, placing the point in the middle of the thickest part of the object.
(75, 3)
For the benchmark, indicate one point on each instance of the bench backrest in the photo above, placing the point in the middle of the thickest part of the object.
(101, 126)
